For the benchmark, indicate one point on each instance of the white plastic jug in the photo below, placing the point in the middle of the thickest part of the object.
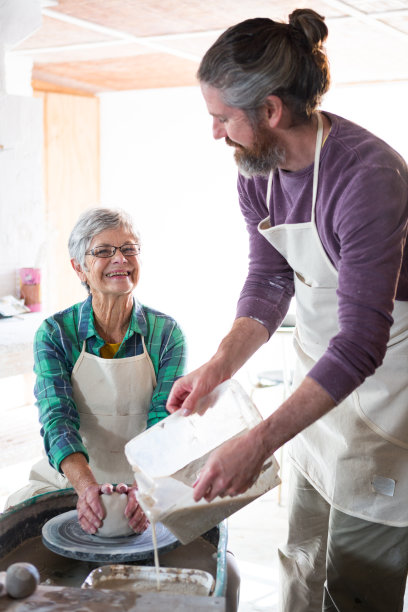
(167, 458)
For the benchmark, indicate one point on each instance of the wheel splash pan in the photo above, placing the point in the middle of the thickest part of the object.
(63, 535)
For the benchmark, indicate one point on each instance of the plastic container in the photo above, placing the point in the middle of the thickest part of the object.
(142, 579)
(167, 458)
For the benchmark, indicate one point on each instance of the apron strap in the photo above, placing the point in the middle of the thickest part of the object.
(80, 358)
(319, 139)
(269, 189)
(154, 379)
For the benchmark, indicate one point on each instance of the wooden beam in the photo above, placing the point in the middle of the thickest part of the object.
(44, 86)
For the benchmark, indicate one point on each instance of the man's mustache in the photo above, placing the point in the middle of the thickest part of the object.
(231, 143)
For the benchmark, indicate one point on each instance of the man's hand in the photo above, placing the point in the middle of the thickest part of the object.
(189, 392)
(133, 512)
(233, 468)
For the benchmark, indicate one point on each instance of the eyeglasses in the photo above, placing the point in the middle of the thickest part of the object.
(107, 250)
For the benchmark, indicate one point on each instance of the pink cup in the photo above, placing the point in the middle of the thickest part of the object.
(30, 288)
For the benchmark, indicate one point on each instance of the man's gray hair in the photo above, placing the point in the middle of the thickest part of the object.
(91, 223)
(260, 57)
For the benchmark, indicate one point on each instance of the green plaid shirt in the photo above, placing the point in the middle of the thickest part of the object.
(57, 346)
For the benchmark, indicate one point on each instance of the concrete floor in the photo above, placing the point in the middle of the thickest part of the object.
(255, 532)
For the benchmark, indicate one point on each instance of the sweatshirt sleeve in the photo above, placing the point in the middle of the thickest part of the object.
(269, 286)
(58, 414)
(370, 225)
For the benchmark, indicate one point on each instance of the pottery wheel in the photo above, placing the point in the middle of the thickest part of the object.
(64, 536)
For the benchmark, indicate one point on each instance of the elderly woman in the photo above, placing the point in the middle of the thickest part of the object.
(104, 370)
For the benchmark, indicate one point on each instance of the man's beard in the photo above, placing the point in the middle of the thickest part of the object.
(265, 154)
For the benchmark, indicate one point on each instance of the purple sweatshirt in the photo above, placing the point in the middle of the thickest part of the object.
(362, 220)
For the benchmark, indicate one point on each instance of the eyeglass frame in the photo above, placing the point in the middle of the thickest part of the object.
(91, 252)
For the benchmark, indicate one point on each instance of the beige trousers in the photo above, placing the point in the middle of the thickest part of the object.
(338, 563)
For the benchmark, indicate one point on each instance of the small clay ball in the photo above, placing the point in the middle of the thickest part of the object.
(21, 580)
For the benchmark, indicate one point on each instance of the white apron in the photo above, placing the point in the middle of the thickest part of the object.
(112, 397)
(356, 455)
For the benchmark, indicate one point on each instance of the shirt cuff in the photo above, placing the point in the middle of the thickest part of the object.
(260, 310)
(337, 382)
(58, 453)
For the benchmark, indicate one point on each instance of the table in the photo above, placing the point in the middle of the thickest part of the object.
(16, 343)
(66, 599)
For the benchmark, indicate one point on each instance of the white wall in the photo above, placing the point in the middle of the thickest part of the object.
(21, 196)
(159, 161)
(21, 201)
(379, 107)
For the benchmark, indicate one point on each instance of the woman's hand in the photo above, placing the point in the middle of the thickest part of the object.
(89, 507)
(90, 510)
(133, 512)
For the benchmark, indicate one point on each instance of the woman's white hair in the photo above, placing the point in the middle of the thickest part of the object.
(91, 223)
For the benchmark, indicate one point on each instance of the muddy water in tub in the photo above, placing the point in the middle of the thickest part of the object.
(181, 587)
(55, 570)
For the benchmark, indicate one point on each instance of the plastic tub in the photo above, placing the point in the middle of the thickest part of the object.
(144, 579)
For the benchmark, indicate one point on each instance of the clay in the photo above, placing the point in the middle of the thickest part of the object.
(21, 580)
(115, 523)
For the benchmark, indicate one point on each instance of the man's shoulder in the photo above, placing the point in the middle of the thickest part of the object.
(252, 196)
(358, 146)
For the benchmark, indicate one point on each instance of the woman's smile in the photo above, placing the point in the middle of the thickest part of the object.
(112, 275)
(118, 273)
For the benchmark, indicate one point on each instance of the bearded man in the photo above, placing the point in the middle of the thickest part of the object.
(326, 206)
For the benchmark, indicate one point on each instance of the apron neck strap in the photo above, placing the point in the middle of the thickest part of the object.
(319, 139)
(269, 189)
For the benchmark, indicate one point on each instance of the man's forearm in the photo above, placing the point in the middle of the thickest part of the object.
(305, 406)
(244, 339)
(223, 474)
